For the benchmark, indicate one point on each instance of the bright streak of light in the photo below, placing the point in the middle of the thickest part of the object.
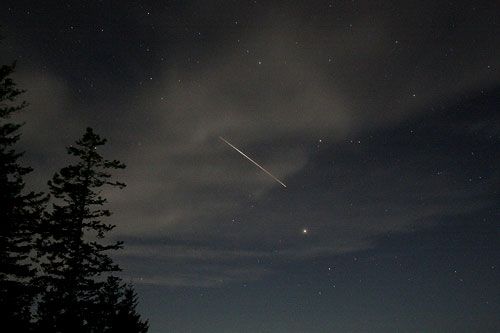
(257, 164)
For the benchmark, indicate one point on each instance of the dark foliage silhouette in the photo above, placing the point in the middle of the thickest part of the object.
(117, 303)
(74, 257)
(19, 215)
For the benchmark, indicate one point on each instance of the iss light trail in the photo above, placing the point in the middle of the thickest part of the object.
(257, 164)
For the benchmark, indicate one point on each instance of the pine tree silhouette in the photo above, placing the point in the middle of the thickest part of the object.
(19, 215)
(117, 309)
(74, 258)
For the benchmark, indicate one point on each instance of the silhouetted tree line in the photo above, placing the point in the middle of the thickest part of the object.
(55, 273)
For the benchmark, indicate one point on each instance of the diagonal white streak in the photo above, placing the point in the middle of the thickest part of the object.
(257, 164)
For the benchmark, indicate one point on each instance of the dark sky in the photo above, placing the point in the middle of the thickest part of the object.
(381, 117)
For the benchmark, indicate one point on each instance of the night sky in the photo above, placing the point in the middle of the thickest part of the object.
(381, 117)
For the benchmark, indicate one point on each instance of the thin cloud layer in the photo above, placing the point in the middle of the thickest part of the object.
(280, 92)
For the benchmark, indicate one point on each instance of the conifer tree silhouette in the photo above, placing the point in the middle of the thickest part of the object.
(74, 256)
(117, 309)
(19, 215)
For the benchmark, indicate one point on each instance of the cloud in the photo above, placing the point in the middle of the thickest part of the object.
(270, 110)
(273, 90)
(202, 274)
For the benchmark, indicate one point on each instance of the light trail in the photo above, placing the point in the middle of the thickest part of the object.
(257, 164)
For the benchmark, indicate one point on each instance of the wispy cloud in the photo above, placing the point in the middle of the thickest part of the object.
(274, 92)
